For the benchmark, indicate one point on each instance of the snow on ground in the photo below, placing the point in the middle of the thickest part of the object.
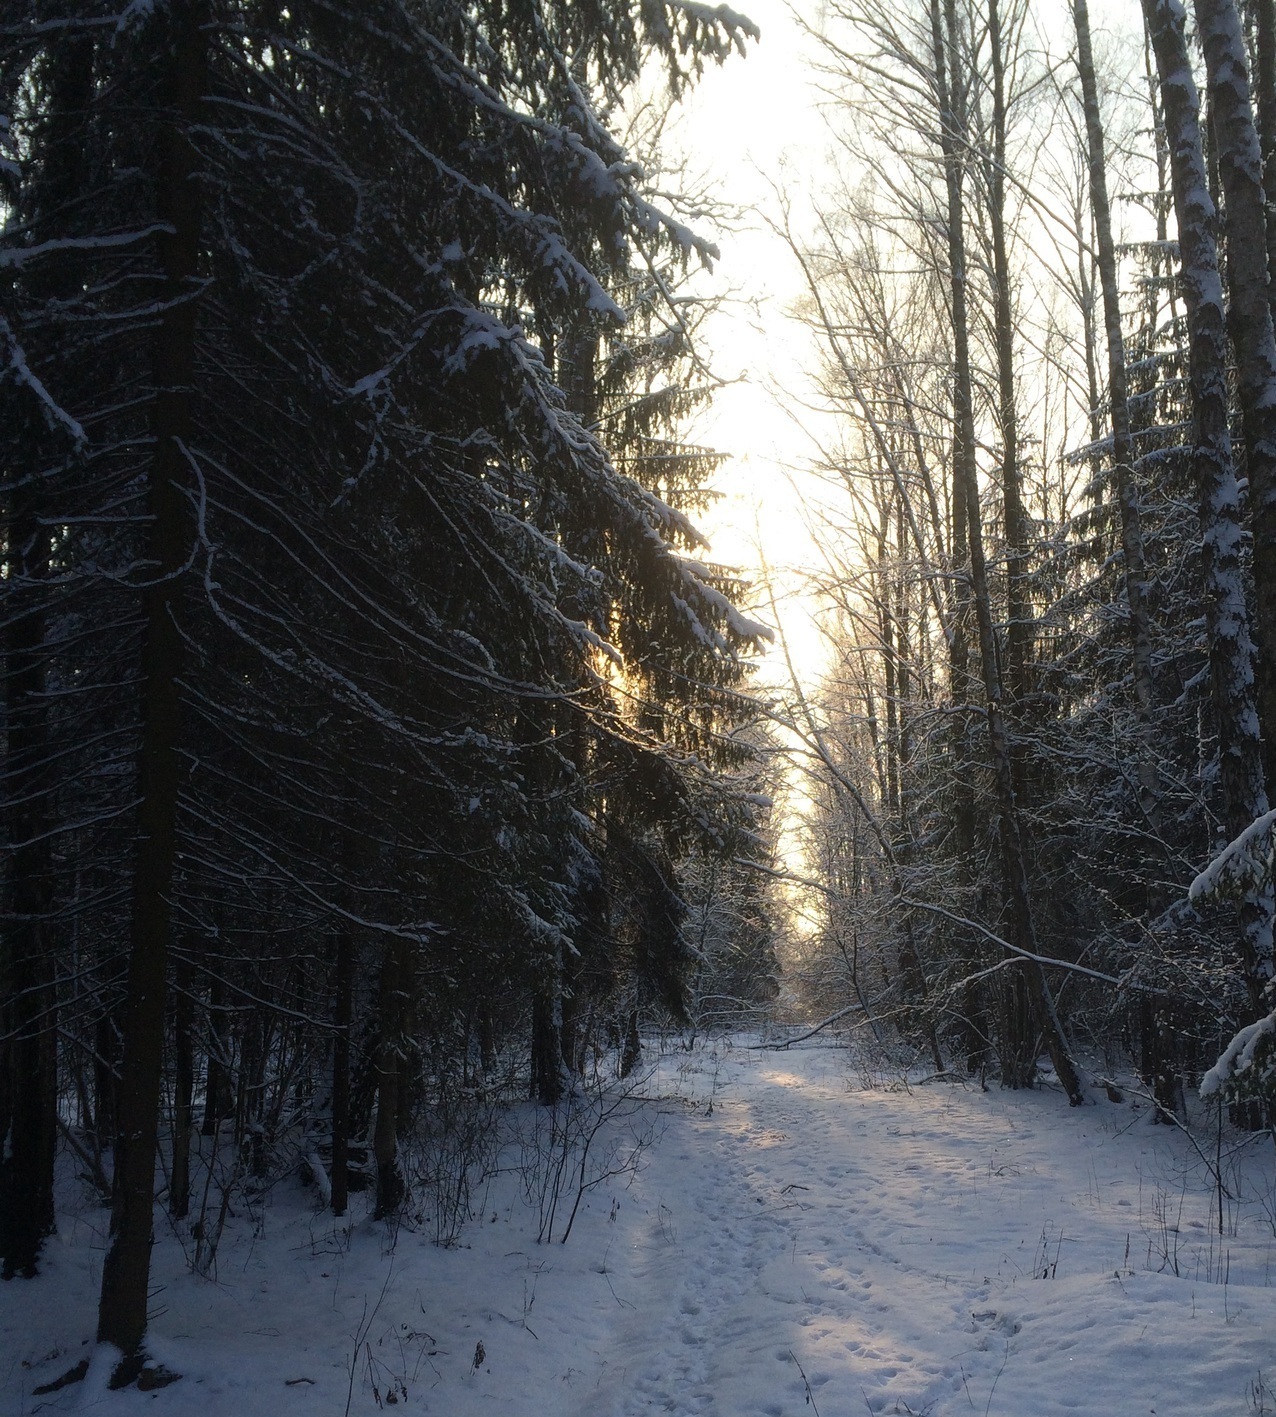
(926, 1249)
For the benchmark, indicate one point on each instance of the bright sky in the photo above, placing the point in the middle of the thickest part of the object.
(752, 127)
(754, 130)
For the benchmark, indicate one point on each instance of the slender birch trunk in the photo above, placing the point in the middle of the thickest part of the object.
(385, 1133)
(1018, 600)
(1240, 167)
(1136, 593)
(343, 1017)
(966, 487)
(962, 693)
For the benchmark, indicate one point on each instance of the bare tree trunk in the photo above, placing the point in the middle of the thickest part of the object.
(1122, 443)
(28, 1020)
(385, 1134)
(1264, 12)
(105, 1077)
(126, 1269)
(28, 987)
(962, 693)
(1250, 320)
(179, 1184)
(344, 1013)
(217, 1105)
(1231, 649)
(1018, 600)
(547, 1041)
(1014, 872)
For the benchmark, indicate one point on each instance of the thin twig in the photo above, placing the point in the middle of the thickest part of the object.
(810, 1396)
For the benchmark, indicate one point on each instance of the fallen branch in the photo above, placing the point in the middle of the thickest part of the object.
(802, 1037)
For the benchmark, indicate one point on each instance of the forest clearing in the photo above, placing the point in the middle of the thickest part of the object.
(826, 1230)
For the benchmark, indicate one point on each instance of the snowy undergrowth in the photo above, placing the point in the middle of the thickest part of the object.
(793, 1242)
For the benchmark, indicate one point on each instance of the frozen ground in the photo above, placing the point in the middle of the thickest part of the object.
(931, 1249)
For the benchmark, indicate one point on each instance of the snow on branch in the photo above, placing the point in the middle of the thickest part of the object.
(741, 626)
(737, 26)
(14, 256)
(651, 220)
(594, 640)
(1243, 862)
(13, 361)
(1238, 1057)
(9, 166)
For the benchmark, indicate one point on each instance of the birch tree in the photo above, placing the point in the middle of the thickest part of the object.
(1232, 652)
(1240, 164)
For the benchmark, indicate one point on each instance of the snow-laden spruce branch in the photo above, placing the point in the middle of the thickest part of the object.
(548, 250)
(256, 844)
(15, 363)
(15, 257)
(348, 593)
(1239, 1055)
(1243, 863)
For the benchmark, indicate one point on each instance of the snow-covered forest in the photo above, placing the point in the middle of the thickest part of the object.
(397, 786)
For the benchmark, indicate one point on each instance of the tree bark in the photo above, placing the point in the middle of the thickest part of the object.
(217, 1102)
(547, 1043)
(1264, 12)
(126, 1269)
(961, 687)
(1231, 648)
(179, 1183)
(385, 1133)
(1015, 527)
(106, 1078)
(1240, 166)
(28, 986)
(1014, 871)
(344, 1013)
(1122, 442)
(29, 1017)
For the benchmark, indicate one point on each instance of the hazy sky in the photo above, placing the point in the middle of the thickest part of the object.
(752, 126)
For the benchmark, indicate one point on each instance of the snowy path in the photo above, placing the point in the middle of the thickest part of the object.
(892, 1245)
(891, 1242)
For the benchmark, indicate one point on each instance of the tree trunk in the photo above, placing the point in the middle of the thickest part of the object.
(961, 691)
(1264, 12)
(28, 1017)
(1018, 601)
(106, 1079)
(1240, 167)
(344, 1013)
(385, 1133)
(179, 1184)
(126, 1269)
(217, 1104)
(1122, 442)
(547, 1040)
(1014, 872)
(1231, 649)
